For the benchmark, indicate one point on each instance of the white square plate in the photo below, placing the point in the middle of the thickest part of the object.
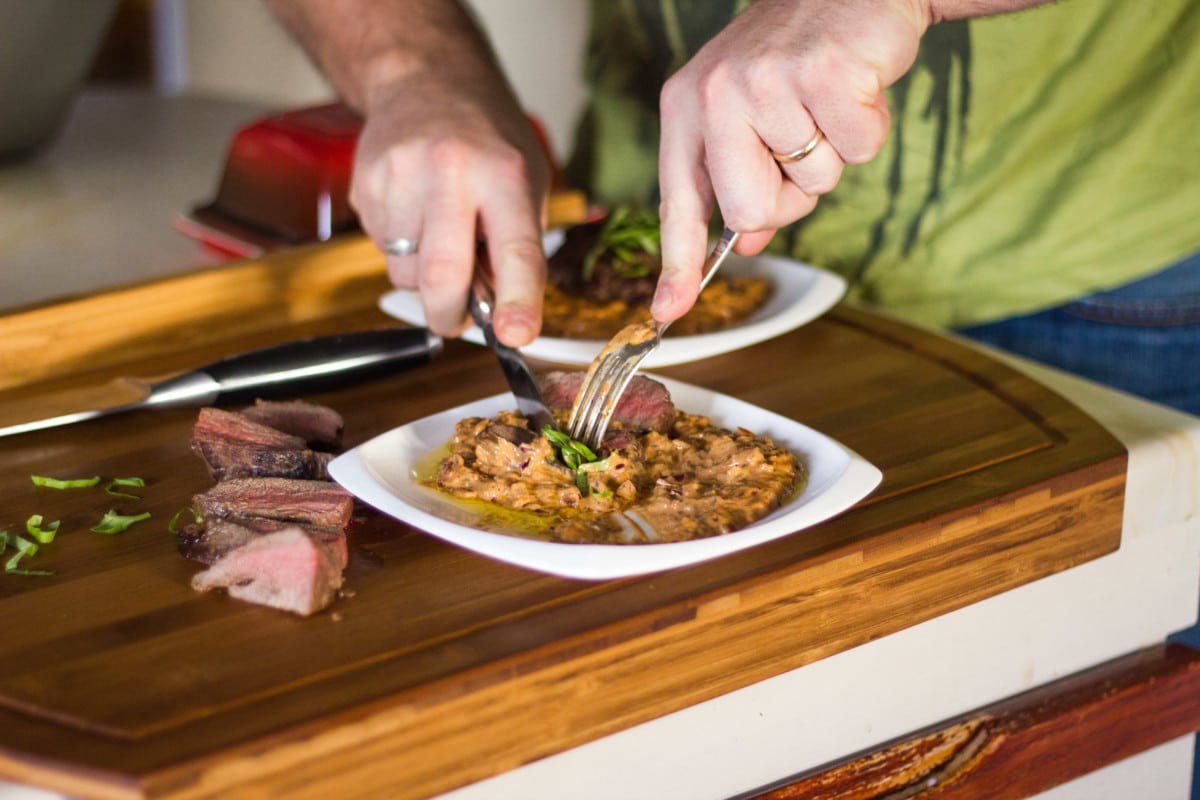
(382, 473)
(800, 294)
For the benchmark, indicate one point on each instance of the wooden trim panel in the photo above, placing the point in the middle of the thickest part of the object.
(1026, 744)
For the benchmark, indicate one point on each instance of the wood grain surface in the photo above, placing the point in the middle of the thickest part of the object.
(441, 667)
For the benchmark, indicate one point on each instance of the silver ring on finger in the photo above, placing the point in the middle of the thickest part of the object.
(401, 247)
(802, 153)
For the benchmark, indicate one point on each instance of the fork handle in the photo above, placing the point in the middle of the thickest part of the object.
(716, 257)
(721, 249)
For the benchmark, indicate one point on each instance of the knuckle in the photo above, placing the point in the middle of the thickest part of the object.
(438, 274)
(823, 182)
(672, 96)
(744, 217)
(870, 142)
(523, 251)
(448, 155)
(509, 165)
(709, 88)
(760, 80)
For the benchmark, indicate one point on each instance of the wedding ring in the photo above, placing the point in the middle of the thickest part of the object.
(400, 247)
(802, 153)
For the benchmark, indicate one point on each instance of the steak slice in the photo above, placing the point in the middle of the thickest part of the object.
(208, 542)
(217, 423)
(287, 569)
(317, 425)
(227, 460)
(234, 446)
(645, 405)
(316, 503)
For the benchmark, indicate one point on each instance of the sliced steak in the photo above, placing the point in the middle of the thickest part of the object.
(317, 503)
(227, 460)
(287, 569)
(645, 405)
(208, 542)
(217, 423)
(235, 446)
(318, 426)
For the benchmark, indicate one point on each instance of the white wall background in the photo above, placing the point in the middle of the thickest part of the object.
(236, 49)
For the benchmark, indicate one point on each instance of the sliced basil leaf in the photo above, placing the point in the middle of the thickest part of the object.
(43, 533)
(111, 489)
(56, 483)
(112, 522)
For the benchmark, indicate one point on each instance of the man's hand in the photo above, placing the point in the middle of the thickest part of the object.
(446, 157)
(779, 73)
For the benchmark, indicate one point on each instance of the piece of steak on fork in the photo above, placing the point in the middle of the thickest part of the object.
(645, 405)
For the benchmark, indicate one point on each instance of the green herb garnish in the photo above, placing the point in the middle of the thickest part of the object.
(55, 483)
(576, 455)
(43, 533)
(116, 482)
(24, 548)
(175, 519)
(627, 234)
(112, 522)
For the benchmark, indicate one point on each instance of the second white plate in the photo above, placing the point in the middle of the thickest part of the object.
(800, 294)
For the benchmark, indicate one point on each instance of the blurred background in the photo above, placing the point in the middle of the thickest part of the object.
(120, 116)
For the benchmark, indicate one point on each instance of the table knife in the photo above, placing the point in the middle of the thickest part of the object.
(481, 302)
(313, 364)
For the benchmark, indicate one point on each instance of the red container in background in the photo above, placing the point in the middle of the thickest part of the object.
(286, 181)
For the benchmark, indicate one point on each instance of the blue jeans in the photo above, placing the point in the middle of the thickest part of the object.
(1142, 338)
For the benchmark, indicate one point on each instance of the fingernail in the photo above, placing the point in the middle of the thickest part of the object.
(519, 327)
(662, 299)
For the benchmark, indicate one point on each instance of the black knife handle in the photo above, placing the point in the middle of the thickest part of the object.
(320, 363)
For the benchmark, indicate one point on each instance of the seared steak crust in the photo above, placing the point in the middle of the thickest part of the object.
(235, 446)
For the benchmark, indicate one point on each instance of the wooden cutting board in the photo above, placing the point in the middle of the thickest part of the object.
(441, 667)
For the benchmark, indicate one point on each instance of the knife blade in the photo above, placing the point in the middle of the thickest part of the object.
(312, 364)
(481, 301)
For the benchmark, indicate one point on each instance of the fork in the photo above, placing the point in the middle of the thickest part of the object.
(615, 365)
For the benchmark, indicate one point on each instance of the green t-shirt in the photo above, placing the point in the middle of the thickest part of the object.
(1033, 158)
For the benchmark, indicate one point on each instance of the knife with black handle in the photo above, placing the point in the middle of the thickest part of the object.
(315, 364)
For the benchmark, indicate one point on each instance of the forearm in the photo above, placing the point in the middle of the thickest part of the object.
(939, 10)
(365, 47)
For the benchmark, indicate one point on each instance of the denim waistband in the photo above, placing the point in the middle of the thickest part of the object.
(1168, 297)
